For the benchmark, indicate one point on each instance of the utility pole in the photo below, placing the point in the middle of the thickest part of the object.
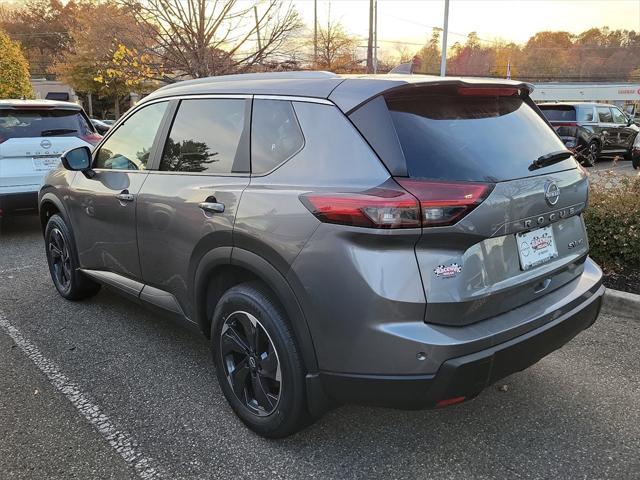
(445, 30)
(255, 11)
(315, 33)
(375, 38)
(370, 41)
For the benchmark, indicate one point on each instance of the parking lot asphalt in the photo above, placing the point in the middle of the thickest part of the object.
(97, 388)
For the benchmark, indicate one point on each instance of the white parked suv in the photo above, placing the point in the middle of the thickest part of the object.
(33, 135)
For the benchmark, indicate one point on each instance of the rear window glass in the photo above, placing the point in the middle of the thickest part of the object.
(559, 113)
(471, 138)
(16, 123)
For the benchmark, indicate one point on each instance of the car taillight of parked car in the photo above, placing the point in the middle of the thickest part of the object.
(92, 138)
(409, 203)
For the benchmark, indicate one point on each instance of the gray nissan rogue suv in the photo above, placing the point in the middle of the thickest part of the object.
(400, 241)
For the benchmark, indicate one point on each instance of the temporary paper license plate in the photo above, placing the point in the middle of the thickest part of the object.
(44, 164)
(536, 247)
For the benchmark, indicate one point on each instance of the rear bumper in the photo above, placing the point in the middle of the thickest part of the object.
(465, 376)
(14, 203)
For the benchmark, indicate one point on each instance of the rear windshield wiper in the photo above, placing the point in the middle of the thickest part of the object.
(57, 131)
(550, 159)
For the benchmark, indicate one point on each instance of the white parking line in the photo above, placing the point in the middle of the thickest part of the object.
(121, 441)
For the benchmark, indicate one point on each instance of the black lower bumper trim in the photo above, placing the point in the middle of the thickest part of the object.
(12, 203)
(464, 376)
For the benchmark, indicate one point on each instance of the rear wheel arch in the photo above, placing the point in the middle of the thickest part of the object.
(223, 268)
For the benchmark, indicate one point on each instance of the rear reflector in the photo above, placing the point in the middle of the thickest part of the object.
(419, 203)
(450, 401)
(445, 203)
(488, 91)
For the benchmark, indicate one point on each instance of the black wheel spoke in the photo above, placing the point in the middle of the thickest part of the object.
(66, 270)
(55, 251)
(247, 329)
(269, 364)
(261, 395)
(239, 379)
(232, 342)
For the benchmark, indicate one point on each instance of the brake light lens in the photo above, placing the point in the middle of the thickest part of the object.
(488, 91)
(418, 203)
(92, 138)
(387, 206)
(445, 203)
(564, 124)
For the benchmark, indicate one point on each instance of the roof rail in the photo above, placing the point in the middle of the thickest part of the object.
(292, 75)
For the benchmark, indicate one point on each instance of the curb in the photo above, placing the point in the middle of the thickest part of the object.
(622, 304)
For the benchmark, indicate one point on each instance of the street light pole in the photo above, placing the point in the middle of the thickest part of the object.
(375, 38)
(445, 30)
(315, 33)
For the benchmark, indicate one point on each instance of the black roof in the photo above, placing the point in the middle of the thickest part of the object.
(346, 91)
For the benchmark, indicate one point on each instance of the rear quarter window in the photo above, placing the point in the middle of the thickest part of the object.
(275, 134)
(446, 136)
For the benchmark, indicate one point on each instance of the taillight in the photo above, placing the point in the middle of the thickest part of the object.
(445, 203)
(92, 138)
(389, 206)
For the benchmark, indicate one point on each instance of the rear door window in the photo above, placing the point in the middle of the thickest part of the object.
(30, 123)
(447, 136)
(618, 116)
(605, 115)
(559, 113)
(585, 114)
(275, 134)
(205, 137)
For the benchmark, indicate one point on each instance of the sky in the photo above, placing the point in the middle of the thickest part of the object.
(410, 21)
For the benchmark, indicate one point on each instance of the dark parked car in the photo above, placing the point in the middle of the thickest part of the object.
(100, 125)
(592, 129)
(374, 239)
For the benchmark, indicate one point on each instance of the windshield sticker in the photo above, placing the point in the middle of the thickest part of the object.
(447, 271)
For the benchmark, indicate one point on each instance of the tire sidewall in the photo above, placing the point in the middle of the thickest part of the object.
(292, 402)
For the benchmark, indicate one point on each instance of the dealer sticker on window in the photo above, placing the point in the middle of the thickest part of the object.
(536, 247)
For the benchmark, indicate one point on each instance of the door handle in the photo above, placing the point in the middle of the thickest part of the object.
(212, 207)
(125, 196)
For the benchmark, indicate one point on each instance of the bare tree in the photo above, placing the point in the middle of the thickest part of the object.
(200, 38)
(336, 48)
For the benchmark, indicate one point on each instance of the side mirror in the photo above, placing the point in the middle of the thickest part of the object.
(78, 160)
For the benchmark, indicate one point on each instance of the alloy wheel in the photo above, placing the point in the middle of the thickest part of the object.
(592, 155)
(251, 363)
(60, 259)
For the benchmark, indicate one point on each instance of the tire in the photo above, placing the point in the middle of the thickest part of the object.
(257, 362)
(591, 156)
(63, 262)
